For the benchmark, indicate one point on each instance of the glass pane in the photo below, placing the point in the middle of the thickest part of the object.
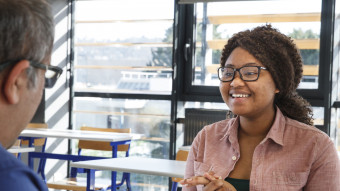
(148, 117)
(335, 117)
(318, 115)
(124, 45)
(218, 21)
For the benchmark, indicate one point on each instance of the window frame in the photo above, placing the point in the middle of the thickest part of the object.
(211, 93)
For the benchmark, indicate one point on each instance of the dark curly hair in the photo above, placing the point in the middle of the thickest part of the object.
(280, 55)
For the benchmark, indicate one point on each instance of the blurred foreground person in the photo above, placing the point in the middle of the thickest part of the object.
(26, 40)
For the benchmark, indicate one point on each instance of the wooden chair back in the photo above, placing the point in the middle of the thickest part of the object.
(180, 156)
(102, 145)
(37, 142)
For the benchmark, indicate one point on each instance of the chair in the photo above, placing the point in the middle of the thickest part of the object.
(197, 118)
(79, 183)
(37, 142)
(180, 156)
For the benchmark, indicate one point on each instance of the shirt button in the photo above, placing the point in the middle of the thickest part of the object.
(234, 157)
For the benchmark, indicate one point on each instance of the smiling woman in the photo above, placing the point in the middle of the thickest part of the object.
(251, 93)
(271, 144)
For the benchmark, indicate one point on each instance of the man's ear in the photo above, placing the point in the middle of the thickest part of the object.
(16, 79)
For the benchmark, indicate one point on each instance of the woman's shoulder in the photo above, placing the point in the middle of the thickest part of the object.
(303, 127)
(305, 131)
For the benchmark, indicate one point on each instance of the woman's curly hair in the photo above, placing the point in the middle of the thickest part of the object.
(279, 54)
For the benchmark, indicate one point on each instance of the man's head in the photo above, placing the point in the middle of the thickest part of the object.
(26, 38)
(26, 30)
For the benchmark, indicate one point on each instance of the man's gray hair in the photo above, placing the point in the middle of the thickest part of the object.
(26, 31)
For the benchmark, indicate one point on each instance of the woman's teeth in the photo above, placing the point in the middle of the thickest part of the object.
(239, 95)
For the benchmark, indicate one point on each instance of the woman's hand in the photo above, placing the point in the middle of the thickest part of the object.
(210, 181)
(217, 184)
(193, 181)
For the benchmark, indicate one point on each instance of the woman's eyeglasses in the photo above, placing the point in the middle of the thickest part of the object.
(247, 73)
(51, 75)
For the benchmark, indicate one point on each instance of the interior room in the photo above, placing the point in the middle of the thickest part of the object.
(150, 66)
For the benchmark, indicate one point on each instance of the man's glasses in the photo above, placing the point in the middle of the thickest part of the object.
(51, 75)
(247, 73)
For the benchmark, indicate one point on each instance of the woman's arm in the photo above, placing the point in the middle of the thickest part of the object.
(325, 171)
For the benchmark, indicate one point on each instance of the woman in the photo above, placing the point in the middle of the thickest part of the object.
(271, 144)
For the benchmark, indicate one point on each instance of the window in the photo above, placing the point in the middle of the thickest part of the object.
(123, 74)
(123, 46)
(335, 114)
(215, 22)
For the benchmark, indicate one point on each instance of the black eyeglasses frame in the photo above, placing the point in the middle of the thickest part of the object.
(238, 69)
(48, 83)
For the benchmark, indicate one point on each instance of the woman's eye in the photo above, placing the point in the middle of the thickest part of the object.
(229, 74)
(250, 73)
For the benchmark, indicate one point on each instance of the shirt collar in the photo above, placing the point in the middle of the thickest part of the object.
(232, 131)
(277, 130)
(275, 133)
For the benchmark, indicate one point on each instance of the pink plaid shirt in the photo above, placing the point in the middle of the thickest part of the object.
(292, 157)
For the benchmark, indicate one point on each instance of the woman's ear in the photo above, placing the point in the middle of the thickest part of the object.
(277, 91)
(15, 81)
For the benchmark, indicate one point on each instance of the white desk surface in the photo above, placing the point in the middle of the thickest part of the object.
(79, 134)
(152, 166)
(185, 148)
(18, 149)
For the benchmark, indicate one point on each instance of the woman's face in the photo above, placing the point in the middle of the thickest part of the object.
(248, 99)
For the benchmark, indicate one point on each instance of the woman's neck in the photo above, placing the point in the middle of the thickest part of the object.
(258, 126)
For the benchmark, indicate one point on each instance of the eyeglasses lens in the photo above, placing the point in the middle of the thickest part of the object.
(50, 78)
(249, 73)
(226, 74)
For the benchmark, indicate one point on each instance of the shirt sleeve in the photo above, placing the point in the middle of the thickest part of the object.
(325, 171)
(190, 169)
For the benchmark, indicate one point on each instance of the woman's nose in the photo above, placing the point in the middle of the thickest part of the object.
(237, 81)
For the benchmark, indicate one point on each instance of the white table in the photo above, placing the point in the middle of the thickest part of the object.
(151, 166)
(115, 139)
(18, 149)
(79, 134)
(185, 148)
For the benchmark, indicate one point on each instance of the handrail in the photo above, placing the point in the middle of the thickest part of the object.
(120, 113)
(265, 18)
(118, 44)
(144, 68)
(122, 21)
(222, 19)
(216, 44)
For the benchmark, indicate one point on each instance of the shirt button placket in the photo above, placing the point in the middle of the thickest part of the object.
(257, 166)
